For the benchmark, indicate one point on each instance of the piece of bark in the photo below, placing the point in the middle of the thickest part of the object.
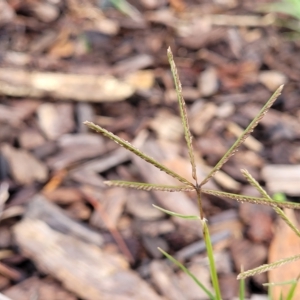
(4, 283)
(208, 82)
(201, 116)
(78, 87)
(225, 110)
(167, 126)
(228, 220)
(16, 113)
(41, 209)
(82, 268)
(7, 13)
(24, 167)
(199, 246)
(272, 79)
(229, 286)
(141, 80)
(3, 297)
(64, 195)
(100, 165)
(165, 280)
(55, 119)
(154, 228)
(132, 64)
(259, 220)
(30, 139)
(140, 205)
(84, 111)
(87, 146)
(112, 202)
(45, 289)
(78, 210)
(282, 179)
(190, 289)
(5, 237)
(247, 254)
(152, 243)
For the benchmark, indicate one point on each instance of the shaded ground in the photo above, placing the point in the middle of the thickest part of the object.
(63, 234)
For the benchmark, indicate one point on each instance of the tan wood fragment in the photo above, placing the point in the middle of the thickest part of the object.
(282, 178)
(78, 87)
(84, 269)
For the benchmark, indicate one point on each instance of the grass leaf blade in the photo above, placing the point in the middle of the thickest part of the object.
(185, 270)
(244, 135)
(149, 186)
(212, 264)
(242, 288)
(137, 152)
(171, 213)
(183, 114)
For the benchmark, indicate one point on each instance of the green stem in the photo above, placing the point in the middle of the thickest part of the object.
(212, 265)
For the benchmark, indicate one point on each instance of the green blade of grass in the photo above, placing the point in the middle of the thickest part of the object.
(149, 186)
(292, 290)
(183, 114)
(136, 151)
(171, 213)
(212, 265)
(268, 267)
(185, 270)
(126, 8)
(244, 135)
(242, 289)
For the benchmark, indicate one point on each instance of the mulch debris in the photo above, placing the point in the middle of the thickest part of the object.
(63, 233)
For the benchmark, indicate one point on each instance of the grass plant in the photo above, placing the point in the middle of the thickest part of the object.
(197, 187)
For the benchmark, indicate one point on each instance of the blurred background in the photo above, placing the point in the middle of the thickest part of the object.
(63, 233)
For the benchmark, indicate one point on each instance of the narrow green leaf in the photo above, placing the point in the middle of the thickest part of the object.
(244, 135)
(183, 114)
(279, 197)
(126, 8)
(185, 270)
(137, 152)
(212, 265)
(281, 296)
(242, 289)
(267, 267)
(254, 200)
(171, 213)
(292, 290)
(149, 186)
